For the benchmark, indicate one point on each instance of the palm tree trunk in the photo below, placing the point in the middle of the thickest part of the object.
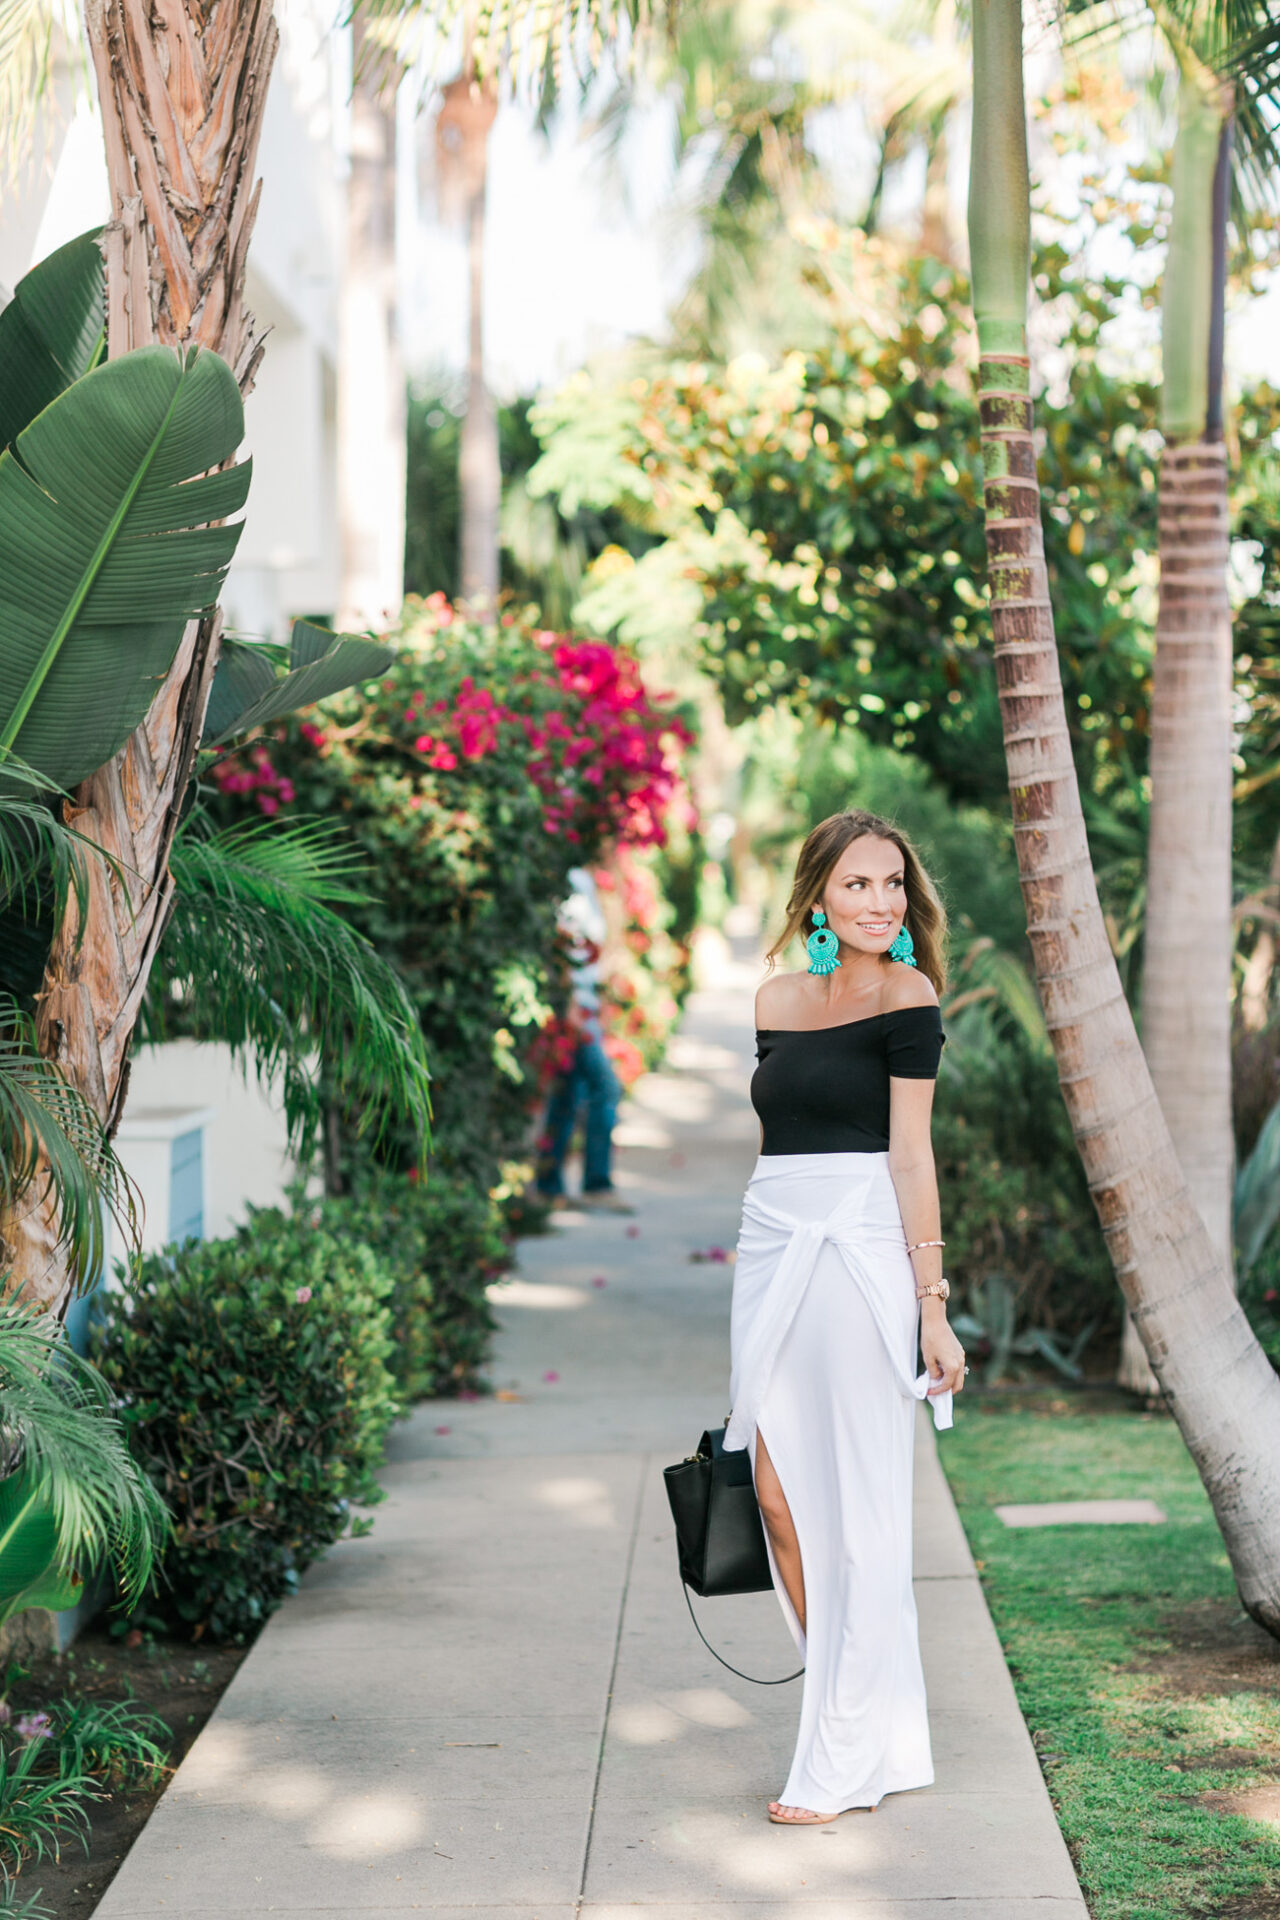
(182, 94)
(371, 391)
(1190, 934)
(462, 133)
(1216, 1379)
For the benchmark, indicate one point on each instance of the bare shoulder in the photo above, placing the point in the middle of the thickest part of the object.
(778, 999)
(908, 987)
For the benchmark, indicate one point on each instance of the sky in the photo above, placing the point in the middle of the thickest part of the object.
(576, 261)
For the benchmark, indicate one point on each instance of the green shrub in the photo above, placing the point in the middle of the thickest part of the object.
(472, 777)
(442, 1242)
(1015, 1200)
(257, 1396)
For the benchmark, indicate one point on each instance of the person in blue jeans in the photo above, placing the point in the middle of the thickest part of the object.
(589, 1080)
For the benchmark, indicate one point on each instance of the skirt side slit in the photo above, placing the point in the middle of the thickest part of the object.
(824, 1326)
(789, 1613)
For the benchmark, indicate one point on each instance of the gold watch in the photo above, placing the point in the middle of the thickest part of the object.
(941, 1287)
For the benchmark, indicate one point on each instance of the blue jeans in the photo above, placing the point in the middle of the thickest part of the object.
(592, 1079)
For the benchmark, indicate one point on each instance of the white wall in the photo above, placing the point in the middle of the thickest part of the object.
(247, 1157)
(288, 557)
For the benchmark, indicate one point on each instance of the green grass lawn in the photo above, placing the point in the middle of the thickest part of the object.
(1144, 1683)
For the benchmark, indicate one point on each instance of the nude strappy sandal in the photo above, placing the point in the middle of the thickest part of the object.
(817, 1819)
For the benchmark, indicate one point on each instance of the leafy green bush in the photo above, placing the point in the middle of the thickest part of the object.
(1014, 1195)
(472, 777)
(255, 1387)
(442, 1242)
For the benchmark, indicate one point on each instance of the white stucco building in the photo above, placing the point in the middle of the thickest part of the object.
(291, 554)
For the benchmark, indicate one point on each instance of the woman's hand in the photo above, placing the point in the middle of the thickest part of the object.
(943, 1354)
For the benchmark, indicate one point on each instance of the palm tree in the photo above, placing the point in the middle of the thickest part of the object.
(1190, 929)
(745, 85)
(466, 118)
(1216, 1379)
(371, 423)
(182, 98)
(83, 641)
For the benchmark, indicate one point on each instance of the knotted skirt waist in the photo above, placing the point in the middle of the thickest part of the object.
(795, 1204)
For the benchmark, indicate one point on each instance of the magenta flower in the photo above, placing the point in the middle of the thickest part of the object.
(551, 1376)
(302, 1295)
(444, 1430)
(599, 1281)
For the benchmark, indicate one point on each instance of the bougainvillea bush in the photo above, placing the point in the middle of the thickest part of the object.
(489, 762)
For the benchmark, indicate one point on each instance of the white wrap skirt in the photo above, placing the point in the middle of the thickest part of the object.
(823, 1343)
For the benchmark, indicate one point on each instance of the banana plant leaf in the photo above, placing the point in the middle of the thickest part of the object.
(30, 1573)
(247, 692)
(52, 332)
(104, 550)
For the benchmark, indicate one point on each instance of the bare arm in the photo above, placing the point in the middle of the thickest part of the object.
(915, 1181)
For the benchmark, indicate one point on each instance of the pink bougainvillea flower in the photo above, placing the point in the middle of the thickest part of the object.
(599, 1281)
(444, 1430)
(633, 1233)
(551, 1376)
(444, 759)
(302, 1295)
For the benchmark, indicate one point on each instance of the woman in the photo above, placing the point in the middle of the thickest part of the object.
(840, 1218)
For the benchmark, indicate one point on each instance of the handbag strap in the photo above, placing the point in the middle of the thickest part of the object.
(785, 1679)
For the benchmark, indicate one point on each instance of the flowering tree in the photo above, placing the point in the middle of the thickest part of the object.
(486, 764)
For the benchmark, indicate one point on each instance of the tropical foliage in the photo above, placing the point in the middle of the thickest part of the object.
(258, 955)
(483, 766)
(130, 558)
(72, 1499)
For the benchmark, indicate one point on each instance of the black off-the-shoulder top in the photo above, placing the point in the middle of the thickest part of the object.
(826, 1089)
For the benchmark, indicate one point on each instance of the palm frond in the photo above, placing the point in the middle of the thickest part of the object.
(530, 44)
(52, 1145)
(32, 35)
(260, 960)
(1216, 40)
(41, 858)
(26, 69)
(59, 1426)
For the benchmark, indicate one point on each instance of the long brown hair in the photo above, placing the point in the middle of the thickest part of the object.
(926, 917)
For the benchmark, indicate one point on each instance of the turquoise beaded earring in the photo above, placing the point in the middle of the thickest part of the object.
(822, 946)
(902, 946)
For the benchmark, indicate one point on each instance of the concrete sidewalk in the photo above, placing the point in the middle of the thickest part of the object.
(496, 1703)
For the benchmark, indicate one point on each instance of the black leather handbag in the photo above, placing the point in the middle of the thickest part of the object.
(719, 1533)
